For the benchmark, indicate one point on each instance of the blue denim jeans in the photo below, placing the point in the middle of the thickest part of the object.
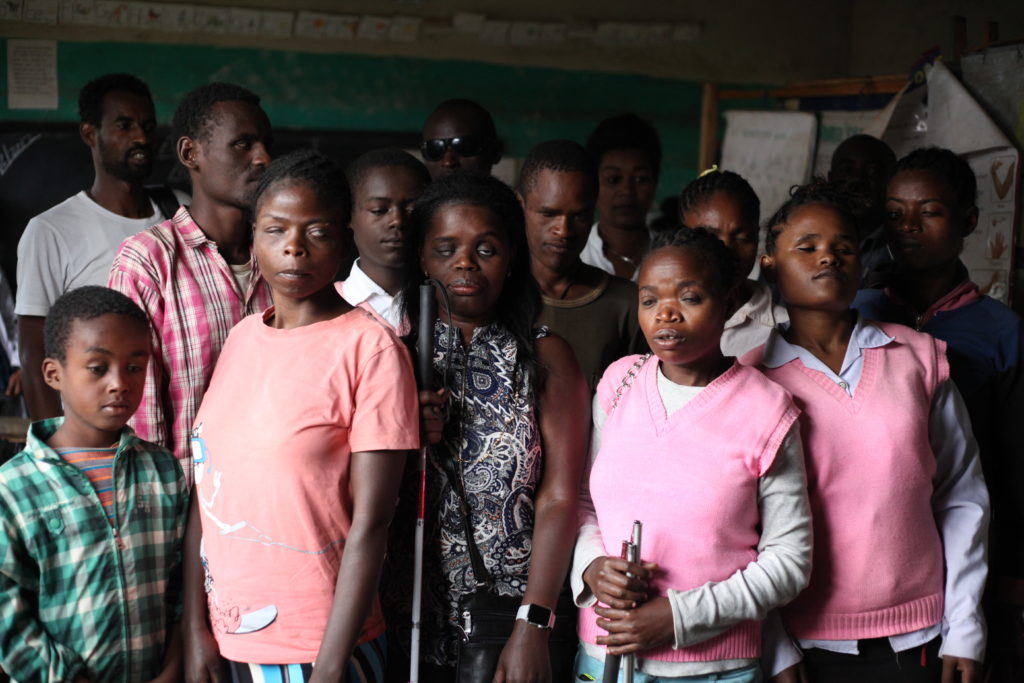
(590, 669)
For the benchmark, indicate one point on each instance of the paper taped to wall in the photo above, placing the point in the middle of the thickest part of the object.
(31, 74)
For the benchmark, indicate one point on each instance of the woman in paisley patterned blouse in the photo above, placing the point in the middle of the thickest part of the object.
(512, 412)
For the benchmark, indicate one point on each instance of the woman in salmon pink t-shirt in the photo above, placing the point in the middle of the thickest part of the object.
(298, 449)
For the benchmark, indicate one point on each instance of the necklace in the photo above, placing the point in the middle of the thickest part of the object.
(622, 257)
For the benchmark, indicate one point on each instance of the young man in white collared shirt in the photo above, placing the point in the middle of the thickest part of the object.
(385, 184)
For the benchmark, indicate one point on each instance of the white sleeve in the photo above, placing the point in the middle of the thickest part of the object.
(42, 268)
(589, 545)
(961, 507)
(783, 565)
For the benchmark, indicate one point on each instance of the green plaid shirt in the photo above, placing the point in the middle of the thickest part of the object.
(77, 595)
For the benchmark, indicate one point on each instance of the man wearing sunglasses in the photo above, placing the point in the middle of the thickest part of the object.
(459, 136)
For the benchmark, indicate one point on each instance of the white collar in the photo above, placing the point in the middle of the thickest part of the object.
(865, 335)
(759, 308)
(358, 287)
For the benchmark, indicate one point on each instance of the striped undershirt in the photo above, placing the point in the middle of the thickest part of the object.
(97, 466)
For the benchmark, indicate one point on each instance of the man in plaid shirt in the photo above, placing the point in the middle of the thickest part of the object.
(92, 517)
(194, 274)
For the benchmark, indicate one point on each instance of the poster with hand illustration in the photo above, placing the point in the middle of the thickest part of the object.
(989, 250)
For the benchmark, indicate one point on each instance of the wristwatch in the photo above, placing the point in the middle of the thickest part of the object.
(535, 615)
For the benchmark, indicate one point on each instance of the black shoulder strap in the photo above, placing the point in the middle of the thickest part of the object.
(164, 198)
(483, 577)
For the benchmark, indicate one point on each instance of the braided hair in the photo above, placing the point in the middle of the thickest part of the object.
(703, 188)
(851, 207)
(711, 250)
(311, 169)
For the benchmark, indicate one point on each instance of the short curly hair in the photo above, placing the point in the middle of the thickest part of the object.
(193, 116)
(385, 157)
(711, 250)
(564, 156)
(463, 105)
(947, 165)
(90, 97)
(84, 303)
(852, 207)
(626, 131)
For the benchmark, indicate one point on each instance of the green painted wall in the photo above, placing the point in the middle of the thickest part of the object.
(343, 91)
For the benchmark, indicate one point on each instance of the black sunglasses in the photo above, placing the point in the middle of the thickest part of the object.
(465, 146)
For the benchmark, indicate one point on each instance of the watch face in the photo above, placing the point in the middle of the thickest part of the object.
(539, 616)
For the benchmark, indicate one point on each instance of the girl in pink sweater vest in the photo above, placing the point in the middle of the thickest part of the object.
(899, 504)
(706, 453)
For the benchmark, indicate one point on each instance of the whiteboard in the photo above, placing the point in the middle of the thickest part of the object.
(773, 150)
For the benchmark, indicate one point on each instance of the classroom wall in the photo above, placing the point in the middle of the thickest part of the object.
(741, 41)
(738, 41)
(535, 93)
(886, 37)
(359, 92)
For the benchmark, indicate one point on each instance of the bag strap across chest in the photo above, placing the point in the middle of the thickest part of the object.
(476, 560)
(628, 380)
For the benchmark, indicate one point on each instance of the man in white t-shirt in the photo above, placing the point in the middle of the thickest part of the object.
(73, 243)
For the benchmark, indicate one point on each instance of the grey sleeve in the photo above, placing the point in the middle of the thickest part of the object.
(42, 268)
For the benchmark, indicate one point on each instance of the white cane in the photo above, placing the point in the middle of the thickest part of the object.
(424, 372)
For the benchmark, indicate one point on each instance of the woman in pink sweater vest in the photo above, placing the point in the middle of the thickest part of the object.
(899, 503)
(706, 453)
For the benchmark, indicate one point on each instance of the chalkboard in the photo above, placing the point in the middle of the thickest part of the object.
(43, 164)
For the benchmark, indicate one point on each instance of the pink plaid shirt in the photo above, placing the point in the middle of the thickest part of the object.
(179, 278)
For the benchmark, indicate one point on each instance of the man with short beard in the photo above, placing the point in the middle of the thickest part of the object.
(73, 243)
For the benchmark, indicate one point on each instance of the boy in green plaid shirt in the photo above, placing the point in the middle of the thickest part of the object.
(91, 517)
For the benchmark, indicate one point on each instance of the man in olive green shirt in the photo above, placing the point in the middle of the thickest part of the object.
(594, 311)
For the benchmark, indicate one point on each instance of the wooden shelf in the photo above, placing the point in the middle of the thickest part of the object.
(836, 87)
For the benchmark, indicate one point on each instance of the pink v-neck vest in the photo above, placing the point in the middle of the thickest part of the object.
(691, 478)
(878, 562)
